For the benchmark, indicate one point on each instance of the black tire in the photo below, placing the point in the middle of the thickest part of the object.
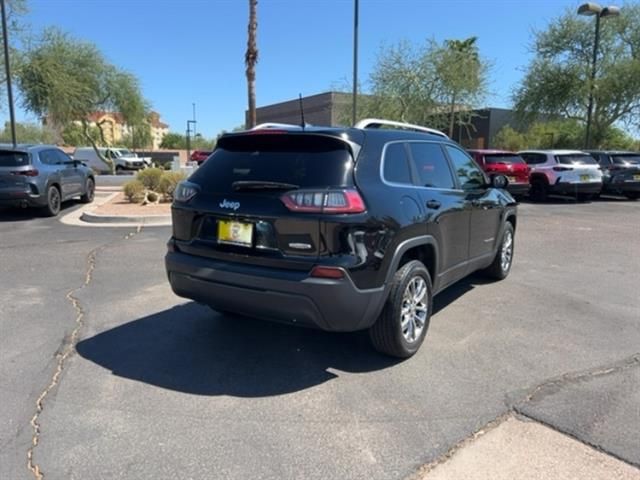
(386, 334)
(54, 201)
(119, 170)
(497, 269)
(632, 195)
(89, 191)
(539, 191)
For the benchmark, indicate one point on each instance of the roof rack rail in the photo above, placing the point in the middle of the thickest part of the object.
(263, 126)
(378, 122)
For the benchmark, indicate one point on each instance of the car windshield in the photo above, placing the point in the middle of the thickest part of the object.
(627, 158)
(576, 159)
(503, 158)
(13, 159)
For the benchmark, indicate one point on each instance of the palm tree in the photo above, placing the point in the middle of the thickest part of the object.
(250, 60)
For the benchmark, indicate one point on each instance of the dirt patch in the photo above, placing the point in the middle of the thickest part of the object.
(119, 205)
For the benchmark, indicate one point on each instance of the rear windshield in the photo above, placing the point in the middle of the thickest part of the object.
(301, 160)
(502, 158)
(632, 158)
(13, 159)
(576, 159)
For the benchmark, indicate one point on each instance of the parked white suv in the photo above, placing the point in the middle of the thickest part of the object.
(563, 172)
(90, 158)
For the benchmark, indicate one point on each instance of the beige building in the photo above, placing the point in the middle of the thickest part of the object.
(115, 128)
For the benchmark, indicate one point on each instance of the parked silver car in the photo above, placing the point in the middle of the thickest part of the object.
(564, 172)
(42, 176)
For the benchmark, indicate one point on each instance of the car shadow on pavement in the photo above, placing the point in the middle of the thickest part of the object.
(191, 349)
(16, 214)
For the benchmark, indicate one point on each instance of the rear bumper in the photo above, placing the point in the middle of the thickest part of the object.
(16, 198)
(621, 187)
(274, 294)
(574, 188)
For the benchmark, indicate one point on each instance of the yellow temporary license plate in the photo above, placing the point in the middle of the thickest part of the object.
(235, 233)
(585, 178)
(636, 177)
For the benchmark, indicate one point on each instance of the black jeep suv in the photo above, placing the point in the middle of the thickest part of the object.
(341, 229)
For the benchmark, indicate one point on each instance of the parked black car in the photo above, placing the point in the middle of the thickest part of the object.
(620, 172)
(341, 229)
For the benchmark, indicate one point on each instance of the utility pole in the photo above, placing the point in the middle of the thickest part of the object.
(355, 62)
(5, 41)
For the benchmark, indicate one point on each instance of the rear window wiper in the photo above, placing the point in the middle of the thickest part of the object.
(262, 185)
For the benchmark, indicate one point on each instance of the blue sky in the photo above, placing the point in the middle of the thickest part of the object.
(186, 51)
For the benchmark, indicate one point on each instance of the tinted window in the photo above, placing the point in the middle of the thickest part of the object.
(60, 156)
(396, 164)
(302, 160)
(627, 158)
(534, 158)
(432, 166)
(503, 158)
(13, 159)
(49, 157)
(576, 159)
(469, 175)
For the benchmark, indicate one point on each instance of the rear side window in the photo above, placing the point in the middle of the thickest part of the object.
(432, 165)
(624, 159)
(13, 159)
(301, 160)
(396, 164)
(576, 159)
(469, 175)
(534, 158)
(508, 158)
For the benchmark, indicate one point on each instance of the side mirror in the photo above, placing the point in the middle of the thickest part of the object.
(499, 181)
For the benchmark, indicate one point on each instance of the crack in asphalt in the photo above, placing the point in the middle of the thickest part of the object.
(551, 386)
(67, 348)
(515, 408)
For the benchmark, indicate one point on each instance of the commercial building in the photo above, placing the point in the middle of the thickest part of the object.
(334, 108)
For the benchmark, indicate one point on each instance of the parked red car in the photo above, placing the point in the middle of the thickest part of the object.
(509, 164)
(199, 156)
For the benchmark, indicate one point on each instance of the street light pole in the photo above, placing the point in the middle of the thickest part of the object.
(587, 140)
(189, 122)
(593, 9)
(355, 61)
(5, 41)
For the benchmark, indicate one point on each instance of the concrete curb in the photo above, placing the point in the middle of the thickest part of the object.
(85, 217)
(90, 217)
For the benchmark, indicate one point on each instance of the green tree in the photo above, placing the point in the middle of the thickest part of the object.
(568, 133)
(73, 135)
(462, 78)
(557, 81)
(28, 133)
(173, 140)
(436, 84)
(139, 136)
(65, 80)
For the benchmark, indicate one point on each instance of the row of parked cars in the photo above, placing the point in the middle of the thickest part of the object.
(583, 174)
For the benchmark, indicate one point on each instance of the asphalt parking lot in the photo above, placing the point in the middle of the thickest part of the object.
(160, 387)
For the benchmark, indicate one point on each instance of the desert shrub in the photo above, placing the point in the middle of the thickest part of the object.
(150, 178)
(169, 182)
(134, 191)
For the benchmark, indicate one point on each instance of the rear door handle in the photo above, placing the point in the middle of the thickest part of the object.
(433, 204)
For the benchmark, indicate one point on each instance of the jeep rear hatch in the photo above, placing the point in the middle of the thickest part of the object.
(262, 197)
